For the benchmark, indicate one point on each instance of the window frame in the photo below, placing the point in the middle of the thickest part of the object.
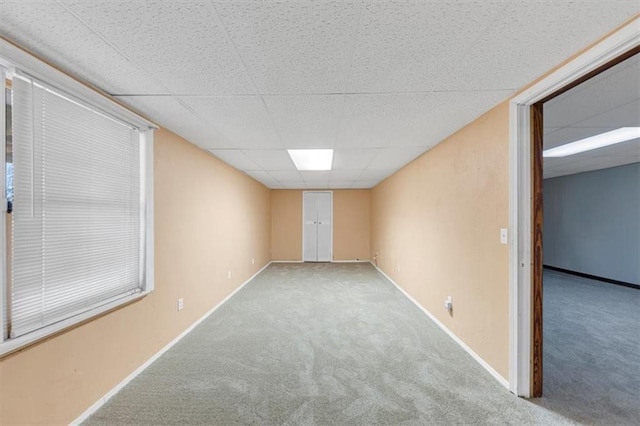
(14, 60)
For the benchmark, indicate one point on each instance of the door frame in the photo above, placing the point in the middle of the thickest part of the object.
(525, 201)
(303, 232)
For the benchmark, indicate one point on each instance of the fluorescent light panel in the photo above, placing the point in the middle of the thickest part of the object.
(622, 134)
(312, 159)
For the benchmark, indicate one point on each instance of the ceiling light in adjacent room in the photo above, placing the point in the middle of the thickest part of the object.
(622, 134)
(312, 159)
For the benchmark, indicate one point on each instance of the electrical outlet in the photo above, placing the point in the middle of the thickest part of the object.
(448, 304)
(398, 267)
(180, 304)
(253, 261)
(229, 274)
(504, 236)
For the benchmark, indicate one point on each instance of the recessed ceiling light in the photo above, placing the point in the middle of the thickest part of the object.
(312, 159)
(622, 134)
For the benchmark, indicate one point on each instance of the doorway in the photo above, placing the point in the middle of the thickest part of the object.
(591, 247)
(317, 233)
(525, 195)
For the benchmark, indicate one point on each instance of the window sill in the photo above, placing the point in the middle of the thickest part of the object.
(11, 346)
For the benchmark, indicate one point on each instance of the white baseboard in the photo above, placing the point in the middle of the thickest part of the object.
(333, 261)
(504, 382)
(84, 416)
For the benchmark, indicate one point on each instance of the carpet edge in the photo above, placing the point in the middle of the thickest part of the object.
(103, 400)
(504, 382)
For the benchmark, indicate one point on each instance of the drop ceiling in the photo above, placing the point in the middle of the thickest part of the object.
(380, 82)
(605, 102)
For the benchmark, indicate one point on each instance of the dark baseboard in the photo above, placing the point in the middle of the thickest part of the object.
(594, 277)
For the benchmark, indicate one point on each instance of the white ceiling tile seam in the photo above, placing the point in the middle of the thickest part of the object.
(105, 40)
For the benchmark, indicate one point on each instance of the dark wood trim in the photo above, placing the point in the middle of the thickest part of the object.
(593, 277)
(536, 249)
(593, 73)
(537, 218)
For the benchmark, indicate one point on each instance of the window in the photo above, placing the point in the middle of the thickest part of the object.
(78, 171)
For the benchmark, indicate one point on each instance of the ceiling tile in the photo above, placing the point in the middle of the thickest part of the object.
(605, 102)
(173, 115)
(315, 176)
(394, 158)
(411, 120)
(288, 175)
(306, 121)
(404, 46)
(548, 130)
(586, 165)
(271, 159)
(617, 91)
(365, 184)
(602, 158)
(344, 175)
(571, 134)
(531, 37)
(272, 184)
(49, 31)
(376, 121)
(293, 185)
(353, 159)
(376, 175)
(625, 116)
(242, 120)
(235, 158)
(326, 68)
(629, 149)
(340, 184)
(180, 44)
(316, 184)
(293, 47)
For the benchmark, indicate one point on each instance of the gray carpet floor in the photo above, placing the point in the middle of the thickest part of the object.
(318, 344)
(591, 350)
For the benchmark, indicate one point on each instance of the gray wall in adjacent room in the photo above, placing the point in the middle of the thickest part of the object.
(592, 223)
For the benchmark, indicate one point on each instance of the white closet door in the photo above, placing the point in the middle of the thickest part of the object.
(324, 226)
(317, 243)
(310, 230)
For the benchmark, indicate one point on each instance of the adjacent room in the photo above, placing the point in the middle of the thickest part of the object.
(306, 212)
(592, 247)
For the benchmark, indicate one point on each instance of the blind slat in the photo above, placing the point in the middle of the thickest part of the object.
(77, 209)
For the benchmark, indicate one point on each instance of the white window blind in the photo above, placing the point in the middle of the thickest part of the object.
(78, 211)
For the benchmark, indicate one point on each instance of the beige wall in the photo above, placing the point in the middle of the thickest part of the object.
(286, 225)
(209, 219)
(351, 224)
(435, 229)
